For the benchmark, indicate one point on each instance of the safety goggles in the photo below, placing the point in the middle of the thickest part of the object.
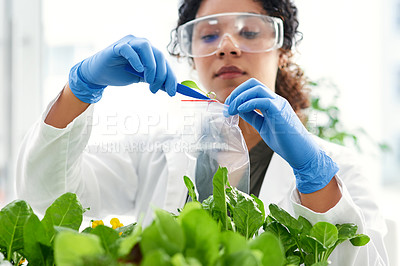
(252, 33)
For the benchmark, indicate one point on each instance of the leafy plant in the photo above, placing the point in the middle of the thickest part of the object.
(328, 126)
(225, 229)
(308, 244)
(302, 242)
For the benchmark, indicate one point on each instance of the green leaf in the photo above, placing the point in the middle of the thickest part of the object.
(305, 224)
(220, 181)
(126, 230)
(310, 259)
(244, 257)
(170, 231)
(70, 248)
(164, 233)
(247, 217)
(100, 260)
(190, 186)
(346, 231)
(360, 240)
(151, 240)
(13, 218)
(310, 244)
(260, 206)
(271, 248)
(282, 233)
(202, 236)
(191, 84)
(87, 230)
(293, 260)
(188, 208)
(232, 197)
(284, 218)
(233, 242)
(66, 211)
(37, 247)
(126, 244)
(208, 204)
(156, 257)
(179, 260)
(325, 233)
(108, 238)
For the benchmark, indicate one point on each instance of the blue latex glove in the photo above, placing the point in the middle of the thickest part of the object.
(88, 78)
(284, 133)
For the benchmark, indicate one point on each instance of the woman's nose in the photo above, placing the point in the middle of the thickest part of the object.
(228, 46)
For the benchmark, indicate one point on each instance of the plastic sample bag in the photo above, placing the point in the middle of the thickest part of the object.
(212, 140)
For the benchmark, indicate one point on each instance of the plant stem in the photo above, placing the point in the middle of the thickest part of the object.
(298, 246)
(322, 257)
(316, 253)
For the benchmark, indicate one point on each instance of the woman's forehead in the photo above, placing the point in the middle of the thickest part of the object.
(211, 7)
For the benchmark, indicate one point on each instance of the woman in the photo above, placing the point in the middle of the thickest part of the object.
(305, 175)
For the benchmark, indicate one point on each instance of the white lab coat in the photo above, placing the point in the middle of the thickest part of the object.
(128, 177)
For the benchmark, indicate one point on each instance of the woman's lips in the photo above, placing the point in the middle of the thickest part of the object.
(229, 72)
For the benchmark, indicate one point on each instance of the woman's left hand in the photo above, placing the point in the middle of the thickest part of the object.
(284, 133)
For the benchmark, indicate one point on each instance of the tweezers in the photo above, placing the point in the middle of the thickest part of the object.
(182, 89)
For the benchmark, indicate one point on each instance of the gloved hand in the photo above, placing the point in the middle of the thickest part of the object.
(284, 133)
(88, 78)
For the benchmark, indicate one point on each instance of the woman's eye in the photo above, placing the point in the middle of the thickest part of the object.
(249, 34)
(209, 37)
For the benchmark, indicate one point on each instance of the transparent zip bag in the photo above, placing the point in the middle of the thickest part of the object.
(211, 139)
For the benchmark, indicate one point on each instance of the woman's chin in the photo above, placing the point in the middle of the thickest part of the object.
(223, 88)
(223, 94)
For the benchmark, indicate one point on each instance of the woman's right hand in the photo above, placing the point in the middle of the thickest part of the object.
(88, 78)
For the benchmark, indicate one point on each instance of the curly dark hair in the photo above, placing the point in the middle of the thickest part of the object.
(290, 82)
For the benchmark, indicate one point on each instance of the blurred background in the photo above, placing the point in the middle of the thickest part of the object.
(350, 52)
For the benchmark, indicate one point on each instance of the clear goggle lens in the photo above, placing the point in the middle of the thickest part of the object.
(253, 33)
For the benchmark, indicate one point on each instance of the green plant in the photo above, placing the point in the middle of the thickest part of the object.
(306, 243)
(302, 241)
(222, 230)
(324, 117)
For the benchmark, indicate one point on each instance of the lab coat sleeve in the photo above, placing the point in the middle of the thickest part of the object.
(356, 206)
(53, 161)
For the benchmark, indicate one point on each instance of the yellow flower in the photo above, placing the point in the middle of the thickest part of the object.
(120, 233)
(96, 223)
(115, 223)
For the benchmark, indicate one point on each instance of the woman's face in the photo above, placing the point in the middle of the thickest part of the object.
(229, 67)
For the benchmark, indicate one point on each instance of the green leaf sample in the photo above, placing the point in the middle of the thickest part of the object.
(193, 85)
